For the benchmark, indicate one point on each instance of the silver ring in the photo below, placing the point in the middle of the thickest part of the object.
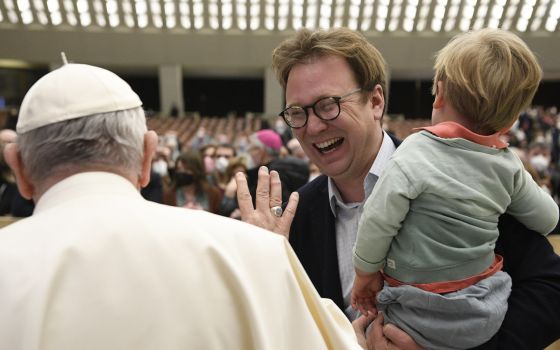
(276, 211)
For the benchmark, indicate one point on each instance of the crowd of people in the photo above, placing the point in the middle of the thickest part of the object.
(98, 266)
(200, 174)
(534, 137)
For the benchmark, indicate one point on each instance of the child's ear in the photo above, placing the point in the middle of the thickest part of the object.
(439, 99)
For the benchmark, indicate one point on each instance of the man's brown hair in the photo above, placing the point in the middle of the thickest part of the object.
(366, 61)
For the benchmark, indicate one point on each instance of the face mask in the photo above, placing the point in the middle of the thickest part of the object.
(540, 163)
(250, 162)
(183, 179)
(160, 167)
(221, 164)
(280, 127)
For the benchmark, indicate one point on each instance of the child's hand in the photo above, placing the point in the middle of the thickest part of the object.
(366, 287)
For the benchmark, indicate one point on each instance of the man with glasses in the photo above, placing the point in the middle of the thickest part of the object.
(335, 87)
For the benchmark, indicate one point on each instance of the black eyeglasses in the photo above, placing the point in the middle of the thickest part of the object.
(326, 108)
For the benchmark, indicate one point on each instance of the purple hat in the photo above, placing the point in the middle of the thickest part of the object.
(269, 138)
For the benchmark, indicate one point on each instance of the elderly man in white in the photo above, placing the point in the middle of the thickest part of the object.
(98, 267)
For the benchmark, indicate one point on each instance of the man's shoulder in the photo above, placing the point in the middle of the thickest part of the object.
(310, 191)
(397, 142)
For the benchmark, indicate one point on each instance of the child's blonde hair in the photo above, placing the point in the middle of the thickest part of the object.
(488, 76)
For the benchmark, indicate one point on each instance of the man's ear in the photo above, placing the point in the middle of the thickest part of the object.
(439, 99)
(150, 145)
(13, 159)
(378, 102)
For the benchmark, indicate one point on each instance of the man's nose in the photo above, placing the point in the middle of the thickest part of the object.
(314, 123)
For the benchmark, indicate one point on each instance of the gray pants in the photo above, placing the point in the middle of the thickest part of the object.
(458, 320)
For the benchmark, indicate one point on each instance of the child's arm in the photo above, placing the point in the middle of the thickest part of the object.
(384, 211)
(532, 206)
(366, 287)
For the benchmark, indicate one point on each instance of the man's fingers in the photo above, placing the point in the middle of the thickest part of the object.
(360, 325)
(288, 215)
(362, 322)
(399, 338)
(262, 196)
(244, 199)
(275, 189)
(375, 338)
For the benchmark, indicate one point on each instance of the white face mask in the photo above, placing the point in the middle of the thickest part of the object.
(221, 164)
(160, 167)
(280, 127)
(250, 162)
(540, 162)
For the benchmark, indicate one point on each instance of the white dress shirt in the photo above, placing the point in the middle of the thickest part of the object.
(347, 217)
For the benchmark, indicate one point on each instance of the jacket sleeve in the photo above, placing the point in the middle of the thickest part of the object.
(533, 318)
(532, 206)
(384, 211)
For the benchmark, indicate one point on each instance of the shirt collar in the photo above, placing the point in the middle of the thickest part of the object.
(452, 130)
(385, 151)
(85, 184)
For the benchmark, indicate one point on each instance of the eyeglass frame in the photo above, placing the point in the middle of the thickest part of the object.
(337, 99)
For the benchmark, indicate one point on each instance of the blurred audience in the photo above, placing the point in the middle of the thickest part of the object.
(536, 135)
(207, 152)
(229, 205)
(264, 150)
(222, 156)
(190, 187)
(11, 201)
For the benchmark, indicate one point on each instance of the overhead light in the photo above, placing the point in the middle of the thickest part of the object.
(10, 63)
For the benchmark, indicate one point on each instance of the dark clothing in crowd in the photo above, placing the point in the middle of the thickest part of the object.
(12, 203)
(293, 172)
(154, 190)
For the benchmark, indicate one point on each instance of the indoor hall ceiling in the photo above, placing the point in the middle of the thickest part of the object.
(400, 17)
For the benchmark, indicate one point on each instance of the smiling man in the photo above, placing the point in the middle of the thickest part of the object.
(339, 128)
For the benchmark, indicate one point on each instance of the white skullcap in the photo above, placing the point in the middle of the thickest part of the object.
(74, 91)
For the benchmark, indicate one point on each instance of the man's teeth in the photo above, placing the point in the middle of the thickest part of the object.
(326, 145)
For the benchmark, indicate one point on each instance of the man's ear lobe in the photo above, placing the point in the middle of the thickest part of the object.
(13, 159)
(378, 102)
(150, 145)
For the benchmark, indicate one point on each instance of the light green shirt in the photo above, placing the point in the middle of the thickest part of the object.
(433, 214)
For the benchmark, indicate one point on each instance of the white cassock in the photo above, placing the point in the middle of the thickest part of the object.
(99, 267)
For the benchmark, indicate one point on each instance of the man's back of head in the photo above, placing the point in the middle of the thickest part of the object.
(78, 118)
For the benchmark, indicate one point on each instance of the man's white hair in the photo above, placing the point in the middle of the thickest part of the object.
(112, 139)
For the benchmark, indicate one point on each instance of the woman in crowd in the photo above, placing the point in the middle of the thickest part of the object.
(229, 205)
(190, 187)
